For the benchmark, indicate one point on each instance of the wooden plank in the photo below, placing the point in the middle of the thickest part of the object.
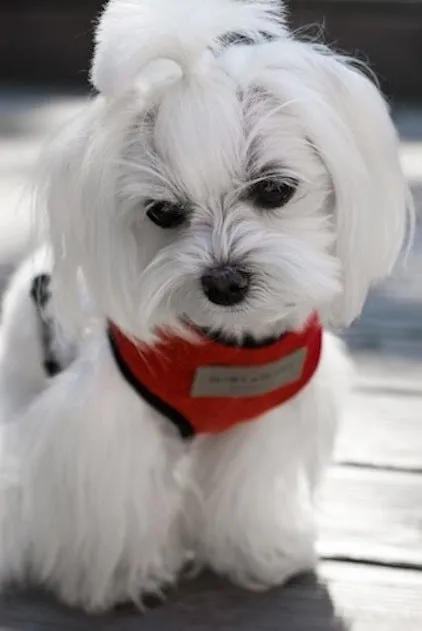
(382, 427)
(347, 597)
(373, 598)
(372, 515)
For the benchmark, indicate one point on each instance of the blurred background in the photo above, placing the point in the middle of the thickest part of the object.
(45, 48)
(42, 40)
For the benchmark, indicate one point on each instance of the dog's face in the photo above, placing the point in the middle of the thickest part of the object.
(231, 209)
(240, 198)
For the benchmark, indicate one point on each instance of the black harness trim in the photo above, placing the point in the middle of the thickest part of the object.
(182, 424)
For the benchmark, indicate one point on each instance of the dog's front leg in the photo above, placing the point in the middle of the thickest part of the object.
(254, 517)
(90, 489)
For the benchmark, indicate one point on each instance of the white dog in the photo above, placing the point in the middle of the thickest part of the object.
(228, 189)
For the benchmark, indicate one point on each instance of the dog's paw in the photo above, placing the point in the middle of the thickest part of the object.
(261, 570)
(257, 544)
(89, 592)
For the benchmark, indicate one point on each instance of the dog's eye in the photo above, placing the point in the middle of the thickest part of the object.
(272, 193)
(166, 214)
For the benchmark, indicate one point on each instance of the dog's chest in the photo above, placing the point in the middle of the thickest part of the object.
(209, 387)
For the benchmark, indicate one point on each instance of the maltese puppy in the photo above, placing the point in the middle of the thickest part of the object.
(168, 390)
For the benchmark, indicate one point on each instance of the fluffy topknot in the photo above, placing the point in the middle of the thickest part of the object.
(133, 35)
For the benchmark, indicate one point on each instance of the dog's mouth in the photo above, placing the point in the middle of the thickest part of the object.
(246, 340)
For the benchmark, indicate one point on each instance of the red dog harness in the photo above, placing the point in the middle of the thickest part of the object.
(208, 386)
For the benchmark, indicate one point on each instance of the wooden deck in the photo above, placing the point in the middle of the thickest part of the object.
(370, 575)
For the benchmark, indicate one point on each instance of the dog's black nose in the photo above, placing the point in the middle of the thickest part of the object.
(226, 285)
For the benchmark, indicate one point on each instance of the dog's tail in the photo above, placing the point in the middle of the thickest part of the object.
(172, 36)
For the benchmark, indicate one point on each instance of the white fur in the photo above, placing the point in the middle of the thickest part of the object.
(100, 499)
(22, 376)
(132, 33)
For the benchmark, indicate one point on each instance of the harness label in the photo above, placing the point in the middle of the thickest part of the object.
(244, 381)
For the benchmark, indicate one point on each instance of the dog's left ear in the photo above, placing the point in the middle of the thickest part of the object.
(350, 126)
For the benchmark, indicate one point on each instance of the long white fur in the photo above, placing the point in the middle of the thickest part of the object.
(132, 33)
(99, 497)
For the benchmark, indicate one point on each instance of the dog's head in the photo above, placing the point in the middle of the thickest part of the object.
(226, 174)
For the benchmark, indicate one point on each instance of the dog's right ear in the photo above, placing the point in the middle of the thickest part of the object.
(373, 207)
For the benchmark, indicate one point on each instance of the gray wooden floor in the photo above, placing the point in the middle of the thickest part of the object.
(370, 575)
